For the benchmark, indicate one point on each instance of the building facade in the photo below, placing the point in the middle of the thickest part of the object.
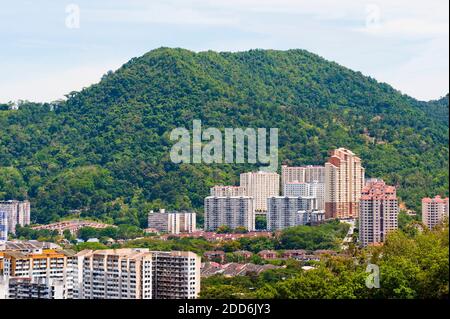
(302, 174)
(224, 191)
(310, 217)
(172, 222)
(18, 213)
(39, 269)
(303, 189)
(260, 186)
(378, 212)
(229, 211)
(3, 226)
(434, 210)
(137, 274)
(31, 288)
(283, 211)
(344, 180)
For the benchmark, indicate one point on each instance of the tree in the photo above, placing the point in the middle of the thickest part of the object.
(223, 229)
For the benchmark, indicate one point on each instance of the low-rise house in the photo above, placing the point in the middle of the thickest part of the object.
(294, 253)
(215, 255)
(244, 254)
(72, 225)
(268, 254)
(322, 252)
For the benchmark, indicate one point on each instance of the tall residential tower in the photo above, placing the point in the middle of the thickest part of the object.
(344, 180)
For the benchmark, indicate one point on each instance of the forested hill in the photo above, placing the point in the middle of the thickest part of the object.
(105, 151)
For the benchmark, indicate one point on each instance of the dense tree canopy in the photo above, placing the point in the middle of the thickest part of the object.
(410, 266)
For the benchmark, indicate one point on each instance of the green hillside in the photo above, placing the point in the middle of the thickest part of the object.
(105, 151)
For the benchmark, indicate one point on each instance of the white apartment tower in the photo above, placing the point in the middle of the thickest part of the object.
(314, 189)
(434, 210)
(378, 212)
(224, 191)
(284, 211)
(260, 186)
(231, 211)
(302, 174)
(18, 213)
(172, 222)
(3, 226)
(344, 180)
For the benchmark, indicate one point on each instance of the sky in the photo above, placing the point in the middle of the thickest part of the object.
(49, 48)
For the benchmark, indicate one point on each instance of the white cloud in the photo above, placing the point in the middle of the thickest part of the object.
(408, 38)
(40, 87)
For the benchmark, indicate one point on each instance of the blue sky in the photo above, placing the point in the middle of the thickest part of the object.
(48, 50)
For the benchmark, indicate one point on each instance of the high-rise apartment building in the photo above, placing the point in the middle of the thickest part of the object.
(137, 274)
(224, 191)
(302, 174)
(18, 213)
(172, 222)
(3, 226)
(314, 189)
(378, 212)
(260, 186)
(296, 189)
(229, 211)
(39, 268)
(31, 288)
(344, 180)
(310, 217)
(176, 275)
(284, 211)
(434, 210)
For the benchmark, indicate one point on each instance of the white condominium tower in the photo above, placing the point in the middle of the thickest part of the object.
(296, 189)
(224, 191)
(344, 180)
(434, 210)
(3, 226)
(285, 211)
(314, 189)
(231, 211)
(172, 222)
(18, 213)
(137, 274)
(302, 174)
(378, 212)
(261, 185)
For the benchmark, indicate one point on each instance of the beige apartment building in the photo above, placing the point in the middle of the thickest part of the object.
(378, 212)
(260, 186)
(344, 180)
(51, 267)
(434, 210)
